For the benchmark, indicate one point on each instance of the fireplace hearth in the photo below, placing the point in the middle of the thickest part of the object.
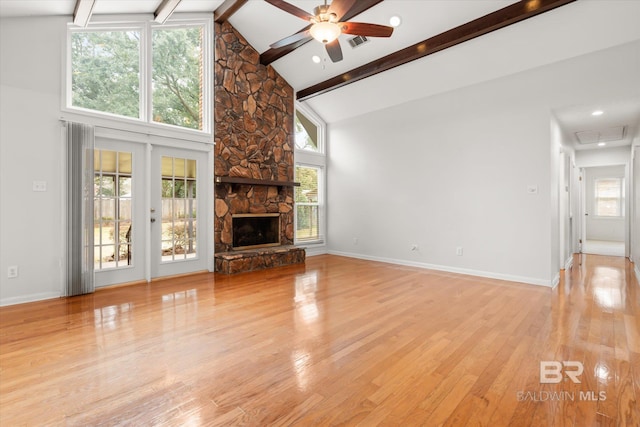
(255, 230)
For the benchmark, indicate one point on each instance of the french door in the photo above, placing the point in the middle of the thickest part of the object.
(150, 211)
(178, 211)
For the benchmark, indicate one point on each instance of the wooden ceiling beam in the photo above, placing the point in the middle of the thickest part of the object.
(226, 9)
(272, 55)
(504, 17)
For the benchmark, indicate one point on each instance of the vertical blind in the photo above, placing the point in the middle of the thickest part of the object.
(80, 144)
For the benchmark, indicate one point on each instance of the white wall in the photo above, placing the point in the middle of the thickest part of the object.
(31, 223)
(453, 170)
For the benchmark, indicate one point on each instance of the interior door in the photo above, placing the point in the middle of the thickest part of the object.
(120, 230)
(178, 211)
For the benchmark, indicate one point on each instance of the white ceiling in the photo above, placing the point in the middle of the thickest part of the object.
(576, 29)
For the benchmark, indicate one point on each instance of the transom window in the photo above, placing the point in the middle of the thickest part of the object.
(308, 135)
(142, 71)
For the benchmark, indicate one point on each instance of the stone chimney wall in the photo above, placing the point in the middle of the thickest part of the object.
(254, 108)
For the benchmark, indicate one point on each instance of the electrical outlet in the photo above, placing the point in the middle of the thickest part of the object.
(459, 251)
(12, 272)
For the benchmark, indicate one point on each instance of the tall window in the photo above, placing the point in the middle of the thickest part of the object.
(310, 166)
(609, 197)
(307, 203)
(109, 73)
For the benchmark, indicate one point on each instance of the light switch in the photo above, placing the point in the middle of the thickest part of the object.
(39, 185)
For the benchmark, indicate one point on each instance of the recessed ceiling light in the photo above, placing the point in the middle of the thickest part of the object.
(395, 21)
(316, 59)
(597, 113)
(601, 144)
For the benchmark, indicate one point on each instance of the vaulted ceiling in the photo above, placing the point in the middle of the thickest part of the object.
(564, 32)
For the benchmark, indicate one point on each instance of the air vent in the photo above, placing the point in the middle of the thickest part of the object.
(601, 135)
(357, 41)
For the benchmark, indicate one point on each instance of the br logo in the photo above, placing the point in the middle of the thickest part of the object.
(551, 371)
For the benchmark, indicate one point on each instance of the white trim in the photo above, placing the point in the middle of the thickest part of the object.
(556, 281)
(569, 263)
(465, 271)
(29, 298)
(314, 250)
(637, 273)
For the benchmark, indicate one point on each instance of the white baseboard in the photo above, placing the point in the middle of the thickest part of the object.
(448, 269)
(556, 281)
(637, 272)
(569, 263)
(28, 298)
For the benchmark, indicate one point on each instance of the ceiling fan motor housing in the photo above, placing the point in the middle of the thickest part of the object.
(322, 14)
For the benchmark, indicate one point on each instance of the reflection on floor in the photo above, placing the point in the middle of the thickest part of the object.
(603, 247)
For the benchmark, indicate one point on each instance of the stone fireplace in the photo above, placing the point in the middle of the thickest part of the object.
(254, 164)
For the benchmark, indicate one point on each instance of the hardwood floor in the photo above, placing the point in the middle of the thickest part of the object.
(338, 341)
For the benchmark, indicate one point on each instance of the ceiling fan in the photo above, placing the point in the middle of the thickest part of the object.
(325, 26)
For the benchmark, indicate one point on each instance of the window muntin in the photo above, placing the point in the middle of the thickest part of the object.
(162, 82)
(112, 222)
(609, 197)
(307, 198)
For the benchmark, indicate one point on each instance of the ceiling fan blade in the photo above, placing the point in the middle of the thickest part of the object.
(293, 38)
(289, 8)
(341, 7)
(334, 50)
(369, 30)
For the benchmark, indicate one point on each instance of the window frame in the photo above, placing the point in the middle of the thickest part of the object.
(620, 199)
(315, 159)
(144, 123)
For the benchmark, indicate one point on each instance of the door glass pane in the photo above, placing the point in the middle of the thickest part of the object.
(112, 218)
(178, 213)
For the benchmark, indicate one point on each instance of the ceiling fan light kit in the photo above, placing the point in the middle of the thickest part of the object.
(326, 26)
(325, 32)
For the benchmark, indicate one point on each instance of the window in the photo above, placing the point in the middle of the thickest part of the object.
(609, 197)
(307, 203)
(309, 171)
(307, 134)
(109, 74)
(105, 71)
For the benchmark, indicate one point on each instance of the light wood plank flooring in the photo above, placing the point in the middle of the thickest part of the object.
(336, 342)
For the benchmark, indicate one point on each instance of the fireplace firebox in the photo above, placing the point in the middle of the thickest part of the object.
(255, 230)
